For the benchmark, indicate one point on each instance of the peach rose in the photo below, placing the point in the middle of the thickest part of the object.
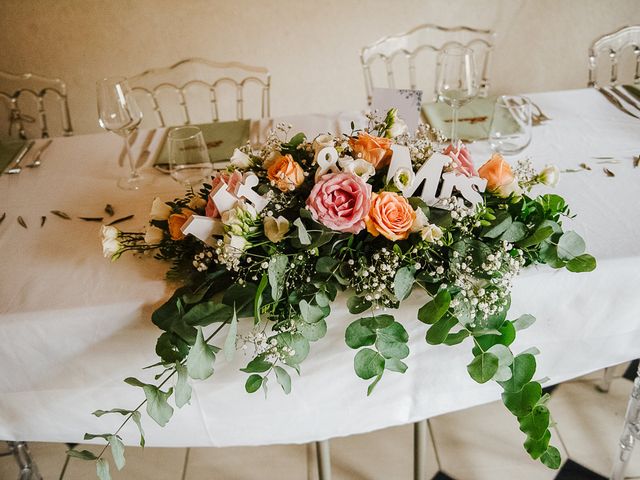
(390, 215)
(375, 150)
(176, 220)
(286, 173)
(497, 172)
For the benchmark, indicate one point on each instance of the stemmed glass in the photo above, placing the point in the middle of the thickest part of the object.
(118, 112)
(456, 80)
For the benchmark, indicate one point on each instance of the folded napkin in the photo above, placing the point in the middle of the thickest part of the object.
(221, 139)
(8, 151)
(474, 119)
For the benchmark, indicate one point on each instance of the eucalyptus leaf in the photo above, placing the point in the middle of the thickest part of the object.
(551, 458)
(439, 331)
(433, 311)
(200, 359)
(516, 231)
(368, 363)
(326, 264)
(523, 368)
(182, 388)
(303, 236)
(357, 304)
(81, 454)
(257, 365)
(403, 282)
(373, 385)
(253, 383)
(570, 245)
(521, 402)
(505, 357)
(357, 335)
(498, 226)
(523, 321)
(117, 451)
(277, 270)
(284, 379)
(395, 365)
(310, 313)
(313, 331)
(157, 406)
(483, 367)
(137, 419)
(206, 313)
(536, 423)
(582, 263)
(102, 469)
(229, 347)
(535, 447)
(392, 341)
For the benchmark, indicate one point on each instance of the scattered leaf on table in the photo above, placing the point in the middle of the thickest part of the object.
(636, 161)
(122, 219)
(585, 166)
(109, 210)
(60, 214)
(43, 219)
(572, 170)
(609, 172)
(4, 215)
(22, 222)
(608, 162)
(603, 158)
(91, 219)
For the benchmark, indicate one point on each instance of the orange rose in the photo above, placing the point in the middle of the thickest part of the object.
(176, 220)
(390, 215)
(497, 172)
(375, 150)
(286, 173)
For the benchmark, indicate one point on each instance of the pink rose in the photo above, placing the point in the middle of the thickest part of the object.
(232, 182)
(340, 201)
(461, 157)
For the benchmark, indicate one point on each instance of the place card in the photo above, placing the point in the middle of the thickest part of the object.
(408, 103)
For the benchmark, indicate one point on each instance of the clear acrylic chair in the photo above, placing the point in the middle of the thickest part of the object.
(630, 432)
(33, 106)
(27, 468)
(392, 61)
(196, 90)
(615, 55)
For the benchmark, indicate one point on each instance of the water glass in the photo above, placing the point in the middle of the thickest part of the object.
(189, 161)
(510, 130)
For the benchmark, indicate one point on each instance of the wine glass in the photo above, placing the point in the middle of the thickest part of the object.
(118, 112)
(510, 130)
(456, 80)
(189, 161)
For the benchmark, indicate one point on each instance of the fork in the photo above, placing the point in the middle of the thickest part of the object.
(36, 160)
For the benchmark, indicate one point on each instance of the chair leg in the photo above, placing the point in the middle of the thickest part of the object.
(419, 450)
(630, 432)
(22, 455)
(324, 460)
(605, 383)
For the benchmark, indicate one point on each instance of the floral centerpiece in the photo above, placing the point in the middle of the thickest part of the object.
(375, 213)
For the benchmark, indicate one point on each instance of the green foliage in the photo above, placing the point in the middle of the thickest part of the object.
(439, 331)
(403, 282)
(200, 359)
(483, 367)
(277, 269)
(283, 379)
(357, 304)
(433, 311)
(102, 469)
(182, 388)
(229, 348)
(82, 454)
(117, 451)
(368, 363)
(253, 383)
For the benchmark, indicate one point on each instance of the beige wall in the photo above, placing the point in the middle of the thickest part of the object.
(310, 47)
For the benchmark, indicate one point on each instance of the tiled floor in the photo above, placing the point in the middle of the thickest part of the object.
(481, 443)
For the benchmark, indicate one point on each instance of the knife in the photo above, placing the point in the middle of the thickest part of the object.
(615, 102)
(626, 97)
(15, 162)
(144, 154)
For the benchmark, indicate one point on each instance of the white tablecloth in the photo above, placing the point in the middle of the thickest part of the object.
(73, 325)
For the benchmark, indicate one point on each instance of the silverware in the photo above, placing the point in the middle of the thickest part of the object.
(144, 155)
(621, 93)
(16, 168)
(123, 153)
(614, 101)
(36, 159)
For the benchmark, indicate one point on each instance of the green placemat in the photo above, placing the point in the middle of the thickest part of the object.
(8, 151)
(474, 119)
(221, 138)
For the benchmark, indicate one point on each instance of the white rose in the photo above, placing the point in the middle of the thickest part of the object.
(322, 141)
(420, 221)
(275, 228)
(399, 127)
(240, 159)
(109, 233)
(403, 178)
(153, 235)
(159, 210)
(550, 175)
(235, 245)
(431, 233)
(505, 190)
(111, 247)
(359, 167)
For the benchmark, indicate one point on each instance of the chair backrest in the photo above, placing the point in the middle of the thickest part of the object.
(27, 102)
(416, 46)
(623, 44)
(196, 90)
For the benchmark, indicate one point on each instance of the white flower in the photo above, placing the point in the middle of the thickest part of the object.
(403, 178)
(111, 247)
(359, 167)
(153, 235)
(109, 233)
(420, 221)
(431, 233)
(275, 228)
(235, 245)
(159, 210)
(239, 220)
(505, 190)
(197, 202)
(399, 127)
(322, 141)
(549, 175)
(240, 159)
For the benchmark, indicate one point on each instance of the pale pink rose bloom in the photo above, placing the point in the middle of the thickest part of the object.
(340, 201)
(461, 157)
(232, 182)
